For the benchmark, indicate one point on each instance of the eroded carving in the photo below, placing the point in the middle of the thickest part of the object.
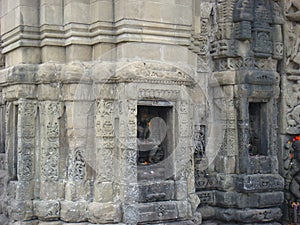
(292, 99)
(78, 165)
(50, 113)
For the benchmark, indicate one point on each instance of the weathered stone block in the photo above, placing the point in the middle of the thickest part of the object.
(101, 10)
(34, 222)
(260, 164)
(194, 201)
(249, 215)
(259, 182)
(157, 191)
(53, 54)
(249, 200)
(78, 52)
(184, 209)
(103, 191)
(138, 50)
(226, 182)
(30, 16)
(51, 223)
(19, 91)
(270, 199)
(51, 13)
(207, 212)
(81, 92)
(21, 210)
(47, 210)
(73, 211)
(131, 213)
(104, 51)
(180, 190)
(11, 18)
(49, 92)
(23, 55)
(227, 199)
(76, 12)
(78, 191)
(186, 222)
(3, 219)
(104, 212)
(24, 190)
(131, 192)
(50, 190)
(158, 211)
(206, 197)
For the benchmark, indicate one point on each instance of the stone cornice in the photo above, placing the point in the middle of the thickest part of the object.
(126, 30)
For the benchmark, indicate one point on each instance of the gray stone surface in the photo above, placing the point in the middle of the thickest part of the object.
(77, 77)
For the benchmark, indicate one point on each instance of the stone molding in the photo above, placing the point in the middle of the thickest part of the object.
(92, 34)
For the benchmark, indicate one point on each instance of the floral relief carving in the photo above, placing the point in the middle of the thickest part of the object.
(78, 165)
(52, 131)
(50, 151)
(50, 158)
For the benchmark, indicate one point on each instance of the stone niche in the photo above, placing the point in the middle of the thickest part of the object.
(109, 143)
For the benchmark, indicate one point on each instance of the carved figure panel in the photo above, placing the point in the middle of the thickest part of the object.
(292, 33)
(292, 100)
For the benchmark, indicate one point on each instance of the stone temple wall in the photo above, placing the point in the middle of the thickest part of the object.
(149, 112)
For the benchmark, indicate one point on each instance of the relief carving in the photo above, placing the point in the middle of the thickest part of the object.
(292, 12)
(26, 166)
(26, 126)
(50, 160)
(158, 93)
(200, 159)
(105, 107)
(247, 63)
(292, 99)
(50, 114)
(52, 131)
(78, 172)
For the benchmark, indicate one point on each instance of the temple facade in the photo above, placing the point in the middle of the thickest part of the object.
(150, 112)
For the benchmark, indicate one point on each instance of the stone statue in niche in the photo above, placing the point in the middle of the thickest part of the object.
(151, 131)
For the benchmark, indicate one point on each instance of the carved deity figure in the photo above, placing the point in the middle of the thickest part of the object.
(151, 131)
(292, 168)
(293, 104)
(293, 55)
(293, 44)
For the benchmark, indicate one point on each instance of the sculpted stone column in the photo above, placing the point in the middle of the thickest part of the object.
(51, 188)
(24, 159)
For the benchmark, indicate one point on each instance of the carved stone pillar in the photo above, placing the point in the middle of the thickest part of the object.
(24, 157)
(50, 187)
